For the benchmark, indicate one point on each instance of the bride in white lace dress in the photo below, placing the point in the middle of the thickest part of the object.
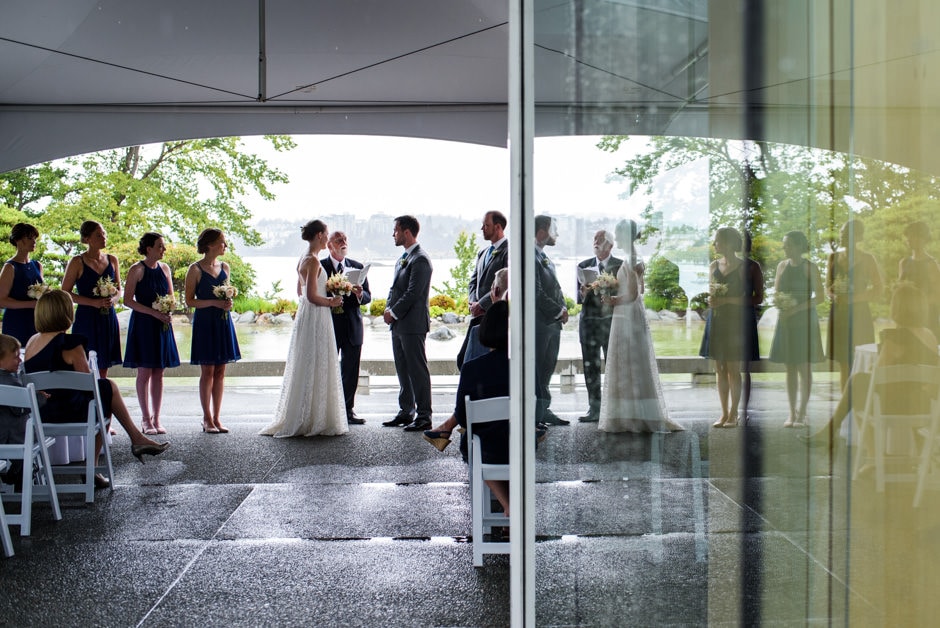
(312, 399)
(632, 400)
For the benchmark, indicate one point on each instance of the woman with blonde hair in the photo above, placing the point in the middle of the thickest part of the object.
(52, 348)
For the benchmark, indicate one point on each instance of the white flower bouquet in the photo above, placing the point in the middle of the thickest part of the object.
(338, 285)
(37, 290)
(605, 285)
(225, 292)
(718, 289)
(105, 288)
(165, 304)
(784, 301)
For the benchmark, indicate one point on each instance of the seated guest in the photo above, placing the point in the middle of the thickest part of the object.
(498, 292)
(52, 349)
(12, 420)
(910, 342)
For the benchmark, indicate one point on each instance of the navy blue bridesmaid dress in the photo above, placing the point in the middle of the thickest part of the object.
(99, 327)
(149, 345)
(19, 322)
(214, 340)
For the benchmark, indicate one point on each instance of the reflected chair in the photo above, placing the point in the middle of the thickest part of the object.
(5, 539)
(894, 409)
(929, 458)
(481, 498)
(34, 452)
(91, 425)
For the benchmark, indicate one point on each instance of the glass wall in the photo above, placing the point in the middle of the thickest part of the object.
(724, 440)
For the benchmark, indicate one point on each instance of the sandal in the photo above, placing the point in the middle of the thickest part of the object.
(147, 427)
(438, 438)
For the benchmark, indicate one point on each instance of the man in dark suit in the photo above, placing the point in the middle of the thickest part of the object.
(406, 311)
(594, 325)
(490, 259)
(347, 324)
(551, 313)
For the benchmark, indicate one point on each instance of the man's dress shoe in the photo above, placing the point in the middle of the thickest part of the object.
(418, 425)
(553, 419)
(399, 421)
(352, 419)
(590, 417)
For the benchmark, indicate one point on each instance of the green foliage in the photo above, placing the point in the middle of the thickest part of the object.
(662, 286)
(466, 250)
(435, 311)
(443, 301)
(463, 305)
(285, 305)
(573, 308)
(179, 257)
(376, 307)
(177, 188)
(261, 305)
(699, 302)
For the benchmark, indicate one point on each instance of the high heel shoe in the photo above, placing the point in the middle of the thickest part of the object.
(147, 427)
(732, 420)
(209, 428)
(222, 429)
(439, 439)
(138, 451)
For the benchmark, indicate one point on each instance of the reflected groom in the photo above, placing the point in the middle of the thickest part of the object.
(406, 311)
(347, 325)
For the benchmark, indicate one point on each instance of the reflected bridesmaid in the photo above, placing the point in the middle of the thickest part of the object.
(18, 274)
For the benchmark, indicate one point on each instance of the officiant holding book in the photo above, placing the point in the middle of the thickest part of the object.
(347, 319)
(594, 324)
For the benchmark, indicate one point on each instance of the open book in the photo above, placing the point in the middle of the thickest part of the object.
(587, 275)
(357, 276)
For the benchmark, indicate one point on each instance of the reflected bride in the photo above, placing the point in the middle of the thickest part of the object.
(632, 400)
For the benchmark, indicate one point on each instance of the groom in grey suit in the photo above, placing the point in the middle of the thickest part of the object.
(406, 311)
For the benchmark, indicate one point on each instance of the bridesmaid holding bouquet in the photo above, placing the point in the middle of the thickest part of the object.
(151, 347)
(97, 277)
(18, 284)
(209, 291)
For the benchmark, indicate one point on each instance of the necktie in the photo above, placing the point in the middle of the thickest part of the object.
(339, 268)
(489, 255)
(600, 267)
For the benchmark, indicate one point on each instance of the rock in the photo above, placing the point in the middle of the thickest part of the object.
(283, 319)
(651, 315)
(449, 318)
(246, 318)
(442, 333)
(668, 315)
(265, 318)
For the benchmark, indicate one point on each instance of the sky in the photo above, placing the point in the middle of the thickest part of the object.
(366, 175)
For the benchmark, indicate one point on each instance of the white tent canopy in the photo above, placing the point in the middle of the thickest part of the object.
(83, 75)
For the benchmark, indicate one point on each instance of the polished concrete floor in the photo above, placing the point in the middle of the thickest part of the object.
(371, 528)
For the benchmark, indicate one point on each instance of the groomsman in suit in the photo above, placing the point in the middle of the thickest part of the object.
(594, 325)
(407, 312)
(551, 313)
(490, 260)
(347, 325)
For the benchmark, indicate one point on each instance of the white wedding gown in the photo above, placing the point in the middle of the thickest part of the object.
(632, 399)
(312, 401)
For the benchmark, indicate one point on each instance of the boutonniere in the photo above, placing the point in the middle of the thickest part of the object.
(545, 262)
(404, 263)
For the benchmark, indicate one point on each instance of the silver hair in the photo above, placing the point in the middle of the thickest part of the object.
(608, 237)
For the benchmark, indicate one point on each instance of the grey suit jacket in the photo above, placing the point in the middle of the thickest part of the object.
(408, 296)
(481, 281)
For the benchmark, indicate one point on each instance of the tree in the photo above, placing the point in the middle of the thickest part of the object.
(466, 250)
(177, 188)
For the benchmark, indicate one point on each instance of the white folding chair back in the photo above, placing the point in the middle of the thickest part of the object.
(891, 417)
(481, 499)
(34, 450)
(88, 426)
(929, 458)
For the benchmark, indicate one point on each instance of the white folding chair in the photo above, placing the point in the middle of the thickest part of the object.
(929, 458)
(91, 425)
(5, 539)
(481, 498)
(887, 414)
(34, 450)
